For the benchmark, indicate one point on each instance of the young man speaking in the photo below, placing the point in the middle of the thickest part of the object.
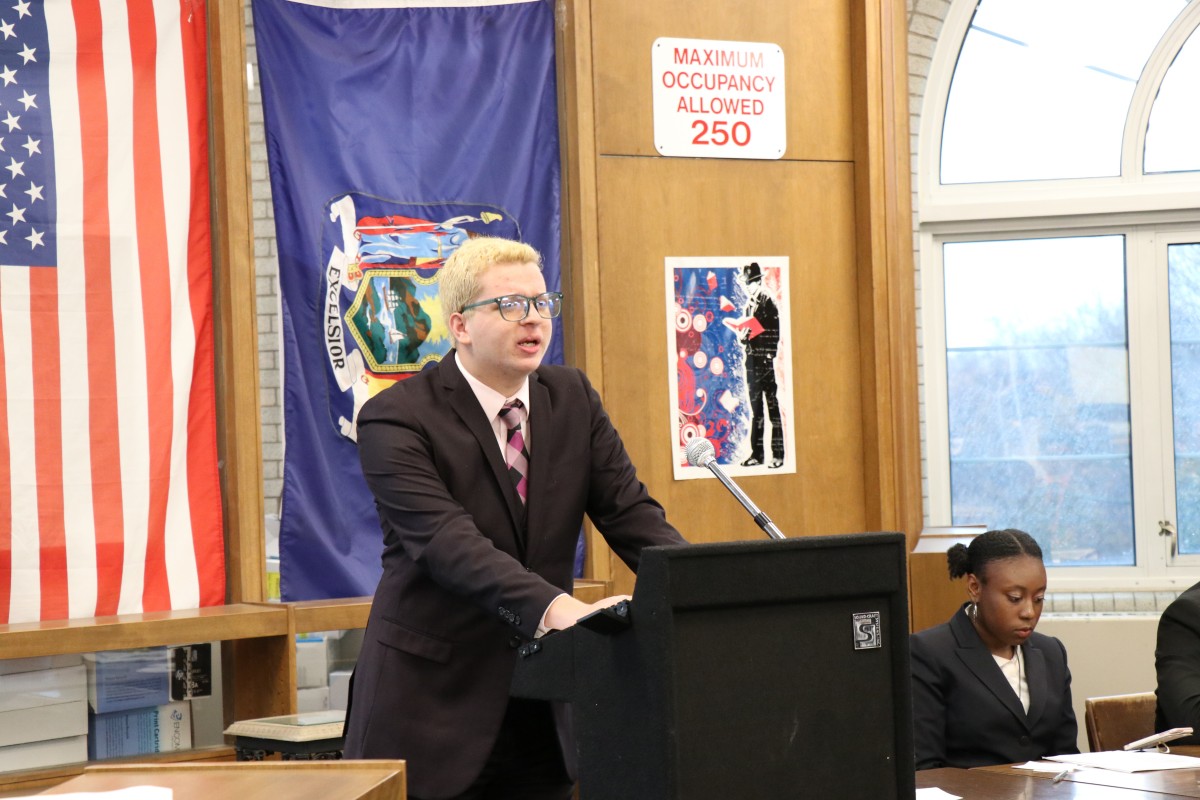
(482, 470)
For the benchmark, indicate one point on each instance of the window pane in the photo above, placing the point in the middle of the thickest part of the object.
(1042, 87)
(1171, 141)
(1038, 393)
(1183, 271)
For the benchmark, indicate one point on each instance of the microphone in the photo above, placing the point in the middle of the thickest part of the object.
(700, 453)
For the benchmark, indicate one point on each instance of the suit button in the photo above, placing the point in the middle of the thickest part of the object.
(514, 642)
(1024, 741)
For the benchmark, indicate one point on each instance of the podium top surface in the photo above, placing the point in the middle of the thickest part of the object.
(251, 780)
(768, 571)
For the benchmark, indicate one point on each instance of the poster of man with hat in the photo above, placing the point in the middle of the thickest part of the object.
(729, 339)
(759, 336)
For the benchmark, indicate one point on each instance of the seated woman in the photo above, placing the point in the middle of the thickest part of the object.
(986, 688)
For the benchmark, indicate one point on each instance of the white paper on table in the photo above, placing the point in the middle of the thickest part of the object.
(1041, 766)
(934, 793)
(1130, 760)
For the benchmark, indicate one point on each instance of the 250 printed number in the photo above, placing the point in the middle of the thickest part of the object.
(721, 133)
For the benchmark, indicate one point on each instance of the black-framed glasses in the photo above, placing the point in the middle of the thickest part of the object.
(515, 307)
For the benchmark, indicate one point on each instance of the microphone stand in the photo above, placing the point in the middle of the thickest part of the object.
(761, 518)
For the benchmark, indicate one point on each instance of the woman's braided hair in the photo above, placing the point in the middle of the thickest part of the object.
(989, 547)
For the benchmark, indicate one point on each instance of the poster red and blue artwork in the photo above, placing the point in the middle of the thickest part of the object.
(729, 362)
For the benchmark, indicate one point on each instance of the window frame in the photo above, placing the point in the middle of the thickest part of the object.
(1149, 210)
(1149, 369)
(1133, 191)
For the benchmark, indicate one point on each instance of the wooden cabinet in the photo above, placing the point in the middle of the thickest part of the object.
(262, 632)
(258, 652)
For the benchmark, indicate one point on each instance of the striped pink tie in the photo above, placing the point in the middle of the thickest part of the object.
(516, 455)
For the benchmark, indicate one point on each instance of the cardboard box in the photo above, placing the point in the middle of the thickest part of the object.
(124, 679)
(39, 687)
(50, 753)
(208, 713)
(339, 689)
(11, 665)
(314, 699)
(312, 663)
(344, 649)
(138, 731)
(41, 705)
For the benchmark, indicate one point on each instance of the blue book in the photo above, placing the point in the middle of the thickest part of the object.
(139, 731)
(124, 679)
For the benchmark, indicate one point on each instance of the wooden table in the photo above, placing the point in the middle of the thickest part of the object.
(1170, 782)
(251, 780)
(992, 783)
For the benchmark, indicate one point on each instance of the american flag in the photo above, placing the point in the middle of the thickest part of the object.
(109, 496)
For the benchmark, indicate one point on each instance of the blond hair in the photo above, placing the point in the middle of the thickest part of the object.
(459, 279)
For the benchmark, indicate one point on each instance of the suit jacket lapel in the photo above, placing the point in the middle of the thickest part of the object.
(467, 407)
(1037, 676)
(975, 654)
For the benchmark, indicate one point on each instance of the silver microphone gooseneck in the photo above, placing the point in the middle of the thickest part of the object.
(700, 453)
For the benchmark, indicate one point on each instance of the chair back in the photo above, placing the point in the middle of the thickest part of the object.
(1115, 721)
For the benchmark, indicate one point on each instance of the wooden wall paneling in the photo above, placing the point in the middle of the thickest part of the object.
(836, 204)
(581, 265)
(259, 674)
(887, 284)
(814, 35)
(933, 596)
(902, 317)
(236, 328)
(265, 683)
(654, 208)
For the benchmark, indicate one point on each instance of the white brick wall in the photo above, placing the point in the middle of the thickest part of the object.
(266, 265)
(925, 19)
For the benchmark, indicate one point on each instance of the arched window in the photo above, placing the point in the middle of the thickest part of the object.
(1173, 135)
(1041, 89)
(1058, 218)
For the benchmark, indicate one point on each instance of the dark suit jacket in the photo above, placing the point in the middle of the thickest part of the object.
(465, 580)
(965, 712)
(1177, 662)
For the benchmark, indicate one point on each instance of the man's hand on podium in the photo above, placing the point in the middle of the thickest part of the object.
(565, 611)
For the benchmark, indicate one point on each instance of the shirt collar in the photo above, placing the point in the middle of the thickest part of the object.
(489, 399)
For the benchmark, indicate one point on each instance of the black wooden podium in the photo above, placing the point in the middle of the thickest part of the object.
(743, 671)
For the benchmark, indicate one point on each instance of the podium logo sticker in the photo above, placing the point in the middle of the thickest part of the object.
(867, 630)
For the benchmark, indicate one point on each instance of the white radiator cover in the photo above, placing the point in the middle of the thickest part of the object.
(1107, 654)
